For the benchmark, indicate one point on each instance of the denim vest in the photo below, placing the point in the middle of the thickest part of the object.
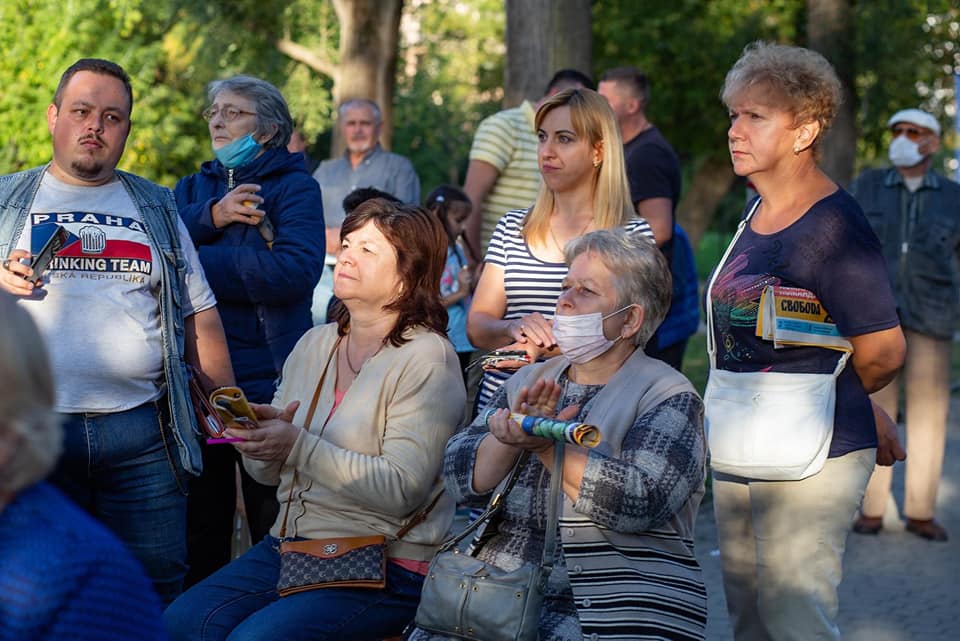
(920, 235)
(159, 213)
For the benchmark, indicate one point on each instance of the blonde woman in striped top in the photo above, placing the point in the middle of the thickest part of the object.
(580, 155)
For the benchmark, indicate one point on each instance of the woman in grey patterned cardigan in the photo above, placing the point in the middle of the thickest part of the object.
(626, 568)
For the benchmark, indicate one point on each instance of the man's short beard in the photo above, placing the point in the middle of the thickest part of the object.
(87, 170)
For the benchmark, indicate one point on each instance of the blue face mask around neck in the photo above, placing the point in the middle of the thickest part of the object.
(238, 153)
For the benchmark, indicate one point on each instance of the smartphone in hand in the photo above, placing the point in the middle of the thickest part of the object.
(232, 406)
(41, 261)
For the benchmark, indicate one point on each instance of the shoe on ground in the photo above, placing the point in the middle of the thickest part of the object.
(868, 524)
(927, 529)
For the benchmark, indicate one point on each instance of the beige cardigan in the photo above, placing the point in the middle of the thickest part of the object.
(379, 459)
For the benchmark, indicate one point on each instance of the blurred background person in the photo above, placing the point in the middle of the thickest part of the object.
(256, 219)
(298, 145)
(580, 155)
(452, 207)
(915, 212)
(63, 575)
(387, 393)
(364, 163)
(653, 171)
(627, 526)
(782, 542)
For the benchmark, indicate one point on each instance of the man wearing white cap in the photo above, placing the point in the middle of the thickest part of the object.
(915, 212)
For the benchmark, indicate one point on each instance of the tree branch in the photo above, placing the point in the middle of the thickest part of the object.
(308, 57)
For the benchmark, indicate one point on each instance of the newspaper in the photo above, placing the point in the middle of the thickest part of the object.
(794, 317)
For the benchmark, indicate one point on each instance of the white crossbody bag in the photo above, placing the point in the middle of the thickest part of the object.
(774, 426)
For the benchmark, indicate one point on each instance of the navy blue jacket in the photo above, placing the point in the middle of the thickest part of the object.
(263, 295)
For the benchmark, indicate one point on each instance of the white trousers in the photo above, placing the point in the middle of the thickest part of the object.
(781, 548)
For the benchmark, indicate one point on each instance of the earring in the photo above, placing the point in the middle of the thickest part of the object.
(596, 162)
(797, 150)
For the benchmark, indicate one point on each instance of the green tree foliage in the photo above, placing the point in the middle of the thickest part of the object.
(686, 47)
(171, 50)
(450, 76)
(41, 38)
(907, 53)
(450, 71)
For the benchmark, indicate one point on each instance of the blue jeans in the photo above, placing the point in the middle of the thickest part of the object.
(122, 469)
(240, 603)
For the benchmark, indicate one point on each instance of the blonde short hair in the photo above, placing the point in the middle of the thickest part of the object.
(593, 119)
(29, 428)
(798, 81)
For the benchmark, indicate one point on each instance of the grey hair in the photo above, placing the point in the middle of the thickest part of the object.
(360, 102)
(640, 273)
(272, 109)
(30, 434)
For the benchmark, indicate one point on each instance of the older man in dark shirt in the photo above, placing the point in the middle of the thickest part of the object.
(916, 214)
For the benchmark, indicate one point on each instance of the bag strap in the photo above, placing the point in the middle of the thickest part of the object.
(553, 514)
(417, 519)
(493, 507)
(306, 426)
(711, 345)
(553, 509)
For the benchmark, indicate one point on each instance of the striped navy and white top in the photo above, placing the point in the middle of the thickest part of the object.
(532, 285)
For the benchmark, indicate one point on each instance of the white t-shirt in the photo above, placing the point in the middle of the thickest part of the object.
(99, 306)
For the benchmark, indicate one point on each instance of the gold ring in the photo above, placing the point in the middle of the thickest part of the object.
(6, 264)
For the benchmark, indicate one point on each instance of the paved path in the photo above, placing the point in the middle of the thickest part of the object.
(896, 586)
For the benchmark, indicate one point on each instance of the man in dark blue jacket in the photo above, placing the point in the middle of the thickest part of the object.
(256, 218)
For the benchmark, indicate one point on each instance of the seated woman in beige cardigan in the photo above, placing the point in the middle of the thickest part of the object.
(387, 394)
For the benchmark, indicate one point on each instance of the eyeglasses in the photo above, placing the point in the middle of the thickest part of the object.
(229, 114)
(911, 132)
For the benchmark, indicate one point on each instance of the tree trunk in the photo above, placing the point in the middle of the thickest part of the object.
(544, 36)
(710, 183)
(369, 33)
(831, 31)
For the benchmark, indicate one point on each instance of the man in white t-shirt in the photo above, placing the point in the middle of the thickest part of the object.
(122, 304)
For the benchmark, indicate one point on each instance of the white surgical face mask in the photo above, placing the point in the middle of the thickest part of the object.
(580, 337)
(904, 152)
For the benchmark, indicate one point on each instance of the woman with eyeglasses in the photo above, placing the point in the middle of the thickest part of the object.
(255, 215)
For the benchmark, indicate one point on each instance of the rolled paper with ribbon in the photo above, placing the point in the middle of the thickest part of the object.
(582, 434)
